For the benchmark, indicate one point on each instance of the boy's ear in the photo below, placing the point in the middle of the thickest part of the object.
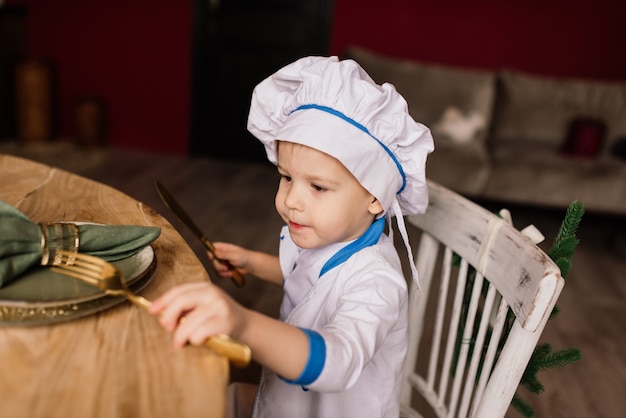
(375, 207)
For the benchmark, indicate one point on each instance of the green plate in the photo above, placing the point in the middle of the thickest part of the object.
(42, 296)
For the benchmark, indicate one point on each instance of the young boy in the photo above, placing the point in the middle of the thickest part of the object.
(349, 157)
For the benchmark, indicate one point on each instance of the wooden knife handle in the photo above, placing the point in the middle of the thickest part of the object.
(239, 354)
(237, 276)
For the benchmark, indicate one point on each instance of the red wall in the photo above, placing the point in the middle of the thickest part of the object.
(136, 54)
(133, 54)
(550, 37)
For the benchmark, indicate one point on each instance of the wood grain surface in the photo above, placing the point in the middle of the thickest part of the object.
(118, 362)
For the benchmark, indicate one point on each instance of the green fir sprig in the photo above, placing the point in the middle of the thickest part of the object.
(522, 406)
(565, 242)
(543, 358)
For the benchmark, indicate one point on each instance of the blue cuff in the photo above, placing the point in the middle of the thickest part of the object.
(315, 363)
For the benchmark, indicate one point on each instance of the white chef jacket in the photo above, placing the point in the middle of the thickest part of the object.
(355, 316)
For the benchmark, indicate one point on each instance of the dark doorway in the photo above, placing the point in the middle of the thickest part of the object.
(13, 49)
(236, 44)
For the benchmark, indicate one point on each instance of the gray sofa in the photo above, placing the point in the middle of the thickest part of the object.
(501, 135)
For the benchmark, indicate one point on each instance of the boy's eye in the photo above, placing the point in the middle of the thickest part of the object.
(284, 177)
(318, 188)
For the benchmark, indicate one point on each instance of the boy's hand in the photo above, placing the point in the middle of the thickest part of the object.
(261, 265)
(235, 255)
(197, 311)
(200, 310)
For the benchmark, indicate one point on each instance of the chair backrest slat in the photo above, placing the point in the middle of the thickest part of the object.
(439, 324)
(490, 355)
(467, 340)
(486, 294)
(453, 328)
(428, 246)
(479, 342)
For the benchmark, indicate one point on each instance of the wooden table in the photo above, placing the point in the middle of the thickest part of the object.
(118, 362)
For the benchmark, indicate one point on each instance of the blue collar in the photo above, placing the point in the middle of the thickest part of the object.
(370, 237)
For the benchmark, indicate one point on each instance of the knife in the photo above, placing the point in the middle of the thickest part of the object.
(182, 215)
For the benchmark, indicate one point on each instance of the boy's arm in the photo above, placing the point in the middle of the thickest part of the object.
(265, 266)
(276, 345)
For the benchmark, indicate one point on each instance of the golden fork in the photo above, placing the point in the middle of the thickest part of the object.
(105, 276)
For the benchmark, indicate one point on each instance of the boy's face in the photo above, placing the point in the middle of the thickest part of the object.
(319, 199)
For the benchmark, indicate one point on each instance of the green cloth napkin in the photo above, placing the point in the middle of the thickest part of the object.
(21, 238)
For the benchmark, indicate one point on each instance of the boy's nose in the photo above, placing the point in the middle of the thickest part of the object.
(292, 199)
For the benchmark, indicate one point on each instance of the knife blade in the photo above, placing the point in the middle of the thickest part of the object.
(182, 215)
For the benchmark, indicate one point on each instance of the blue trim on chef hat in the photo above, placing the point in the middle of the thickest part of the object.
(362, 128)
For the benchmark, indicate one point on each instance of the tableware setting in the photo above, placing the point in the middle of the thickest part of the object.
(32, 294)
(41, 296)
(24, 243)
(110, 262)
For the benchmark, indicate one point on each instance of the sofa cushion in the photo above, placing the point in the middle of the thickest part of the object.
(584, 138)
(464, 168)
(534, 173)
(540, 109)
(430, 90)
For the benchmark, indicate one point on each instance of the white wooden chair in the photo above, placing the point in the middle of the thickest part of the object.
(457, 365)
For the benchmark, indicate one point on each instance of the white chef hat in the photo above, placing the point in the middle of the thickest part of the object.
(335, 107)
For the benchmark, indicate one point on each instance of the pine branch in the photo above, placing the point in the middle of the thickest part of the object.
(529, 378)
(565, 242)
(532, 383)
(570, 224)
(543, 359)
(559, 358)
(555, 312)
(564, 266)
(456, 260)
(541, 352)
(522, 407)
